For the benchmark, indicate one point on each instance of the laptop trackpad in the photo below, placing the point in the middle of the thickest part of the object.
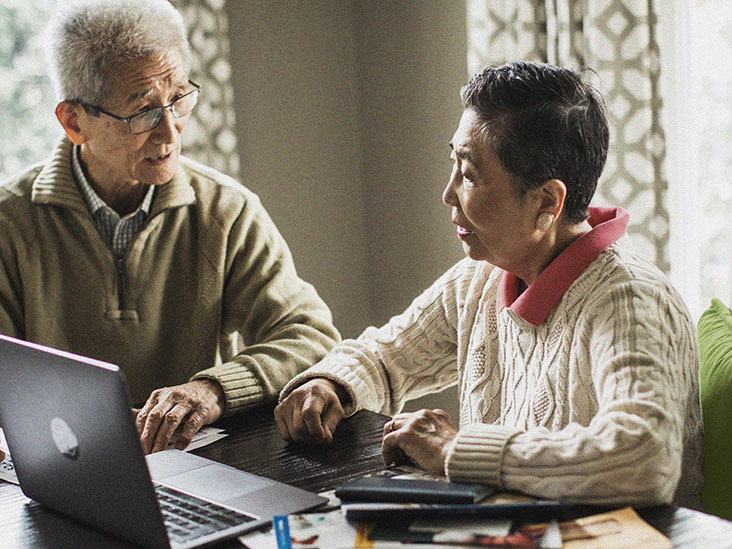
(216, 482)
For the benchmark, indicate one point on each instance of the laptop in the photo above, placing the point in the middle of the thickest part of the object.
(69, 425)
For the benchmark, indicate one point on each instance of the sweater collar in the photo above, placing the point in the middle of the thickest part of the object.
(538, 300)
(56, 185)
(93, 201)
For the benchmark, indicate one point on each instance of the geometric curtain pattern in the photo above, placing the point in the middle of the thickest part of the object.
(617, 39)
(210, 137)
(27, 101)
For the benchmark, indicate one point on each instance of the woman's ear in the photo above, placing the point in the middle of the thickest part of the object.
(548, 201)
(69, 116)
(550, 197)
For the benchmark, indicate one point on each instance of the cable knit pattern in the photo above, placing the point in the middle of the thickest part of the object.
(597, 404)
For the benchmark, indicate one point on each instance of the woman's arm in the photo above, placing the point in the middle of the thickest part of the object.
(413, 354)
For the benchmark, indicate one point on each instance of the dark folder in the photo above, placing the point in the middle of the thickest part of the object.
(535, 511)
(388, 489)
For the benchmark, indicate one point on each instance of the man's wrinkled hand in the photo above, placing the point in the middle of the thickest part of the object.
(311, 412)
(423, 436)
(176, 414)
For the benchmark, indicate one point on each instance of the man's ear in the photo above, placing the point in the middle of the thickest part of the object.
(550, 197)
(69, 115)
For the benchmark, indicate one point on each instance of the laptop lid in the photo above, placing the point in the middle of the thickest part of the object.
(69, 425)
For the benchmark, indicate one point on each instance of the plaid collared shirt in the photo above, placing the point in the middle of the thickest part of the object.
(117, 232)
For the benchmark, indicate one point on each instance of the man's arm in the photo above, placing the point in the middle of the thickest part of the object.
(11, 302)
(283, 323)
(176, 414)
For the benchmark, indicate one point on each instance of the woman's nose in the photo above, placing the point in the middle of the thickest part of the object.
(448, 195)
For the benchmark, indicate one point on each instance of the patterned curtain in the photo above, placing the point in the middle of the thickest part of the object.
(27, 101)
(210, 137)
(618, 40)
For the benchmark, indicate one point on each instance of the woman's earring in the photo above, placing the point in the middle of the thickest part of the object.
(544, 221)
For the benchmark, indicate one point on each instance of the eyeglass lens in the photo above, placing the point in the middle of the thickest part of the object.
(146, 121)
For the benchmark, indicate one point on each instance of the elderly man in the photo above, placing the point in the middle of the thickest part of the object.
(119, 248)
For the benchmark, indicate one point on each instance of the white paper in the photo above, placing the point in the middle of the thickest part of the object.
(204, 437)
(259, 540)
(323, 530)
(552, 538)
(410, 472)
(7, 469)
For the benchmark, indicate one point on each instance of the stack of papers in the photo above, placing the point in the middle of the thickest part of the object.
(421, 528)
(332, 530)
(619, 529)
(471, 532)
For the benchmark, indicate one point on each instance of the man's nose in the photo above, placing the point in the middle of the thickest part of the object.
(166, 129)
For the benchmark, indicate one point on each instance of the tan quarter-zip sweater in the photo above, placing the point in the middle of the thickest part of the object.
(207, 265)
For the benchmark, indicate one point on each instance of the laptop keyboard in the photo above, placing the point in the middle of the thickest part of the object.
(187, 517)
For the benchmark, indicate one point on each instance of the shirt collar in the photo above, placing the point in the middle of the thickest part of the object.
(93, 201)
(538, 300)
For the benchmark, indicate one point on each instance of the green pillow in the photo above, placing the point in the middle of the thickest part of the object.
(715, 379)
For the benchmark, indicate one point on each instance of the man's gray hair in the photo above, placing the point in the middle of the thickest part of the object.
(87, 39)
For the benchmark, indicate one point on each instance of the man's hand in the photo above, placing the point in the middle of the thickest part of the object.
(311, 412)
(423, 436)
(177, 413)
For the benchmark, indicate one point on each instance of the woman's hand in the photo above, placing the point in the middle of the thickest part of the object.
(423, 436)
(311, 412)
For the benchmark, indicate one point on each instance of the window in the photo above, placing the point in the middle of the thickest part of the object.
(696, 57)
(26, 99)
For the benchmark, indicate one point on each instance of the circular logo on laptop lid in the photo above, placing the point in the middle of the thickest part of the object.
(65, 439)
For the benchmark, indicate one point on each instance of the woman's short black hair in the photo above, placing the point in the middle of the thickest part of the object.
(543, 122)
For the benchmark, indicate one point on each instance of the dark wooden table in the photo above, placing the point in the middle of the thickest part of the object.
(254, 445)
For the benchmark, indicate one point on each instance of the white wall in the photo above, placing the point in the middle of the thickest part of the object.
(344, 112)
(293, 72)
(412, 62)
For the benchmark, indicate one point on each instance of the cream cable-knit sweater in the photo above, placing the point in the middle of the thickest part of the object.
(597, 404)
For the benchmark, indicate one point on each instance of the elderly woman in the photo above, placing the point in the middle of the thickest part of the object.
(575, 358)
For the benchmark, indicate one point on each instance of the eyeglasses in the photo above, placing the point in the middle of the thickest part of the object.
(149, 119)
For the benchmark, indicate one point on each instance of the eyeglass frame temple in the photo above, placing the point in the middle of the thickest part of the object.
(127, 119)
